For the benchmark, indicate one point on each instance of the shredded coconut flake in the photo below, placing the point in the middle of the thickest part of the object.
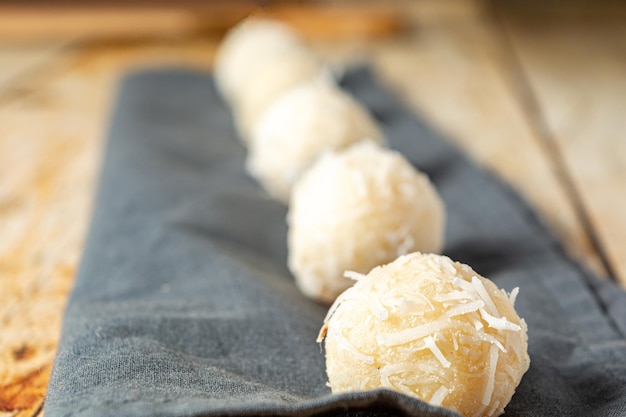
(430, 343)
(404, 389)
(493, 362)
(346, 345)
(397, 368)
(493, 408)
(385, 382)
(353, 275)
(454, 295)
(511, 372)
(465, 308)
(476, 334)
(447, 265)
(409, 335)
(408, 303)
(464, 285)
(484, 295)
(373, 304)
(513, 295)
(499, 323)
(480, 411)
(495, 342)
(439, 396)
(517, 347)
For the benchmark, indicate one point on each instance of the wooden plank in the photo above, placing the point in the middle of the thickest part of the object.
(49, 151)
(42, 210)
(139, 19)
(19, 60)
(50, 138)
(576, 70)
(454, 71)
(20, 21)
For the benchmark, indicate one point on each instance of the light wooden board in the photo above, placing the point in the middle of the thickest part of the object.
(36, 21)
(455, 72)
(576, 70)
(21, 60)
(46, 164)
(50, 141)
(448, 67)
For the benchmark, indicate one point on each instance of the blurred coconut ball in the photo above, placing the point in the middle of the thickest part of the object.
(257, 61)
(273, 77)
(300, 125)
(429, 328)
(243, 47)
(354, 210)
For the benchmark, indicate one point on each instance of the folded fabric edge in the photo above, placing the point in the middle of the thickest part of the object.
(381, 401)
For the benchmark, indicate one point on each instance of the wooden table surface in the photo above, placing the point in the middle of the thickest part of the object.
(535, 95)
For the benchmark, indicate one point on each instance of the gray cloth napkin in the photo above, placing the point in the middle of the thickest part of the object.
(183, 305)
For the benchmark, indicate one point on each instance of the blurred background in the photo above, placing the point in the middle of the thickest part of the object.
(533, 91)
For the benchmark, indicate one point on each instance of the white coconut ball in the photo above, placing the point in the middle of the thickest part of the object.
(243, 47)
(257, 61)
(273, 77)
(303, 123)
(429, 328)
(357, 209)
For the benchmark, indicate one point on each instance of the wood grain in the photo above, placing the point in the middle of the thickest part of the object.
(450, 66)
(576, 70)
(49, 151)
(46, 166)
(35, 21)
(18, 60)
(455, 72)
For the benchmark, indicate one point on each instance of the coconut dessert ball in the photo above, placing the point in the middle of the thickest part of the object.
(307, 120)
(430, 328)
(273, 76)
(357, 209)
(243, 47)
(257, 61)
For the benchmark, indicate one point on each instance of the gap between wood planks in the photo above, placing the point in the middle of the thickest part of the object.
(530, 105)
(38, 411)
(453, 71)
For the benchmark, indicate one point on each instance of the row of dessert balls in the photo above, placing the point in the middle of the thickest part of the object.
(353, 204)
(419, 324)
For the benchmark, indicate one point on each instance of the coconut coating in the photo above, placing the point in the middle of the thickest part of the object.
(303, 123)
(257, 61)
(430, 328)
(243, 47)
(273, 76)
(357, 209)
